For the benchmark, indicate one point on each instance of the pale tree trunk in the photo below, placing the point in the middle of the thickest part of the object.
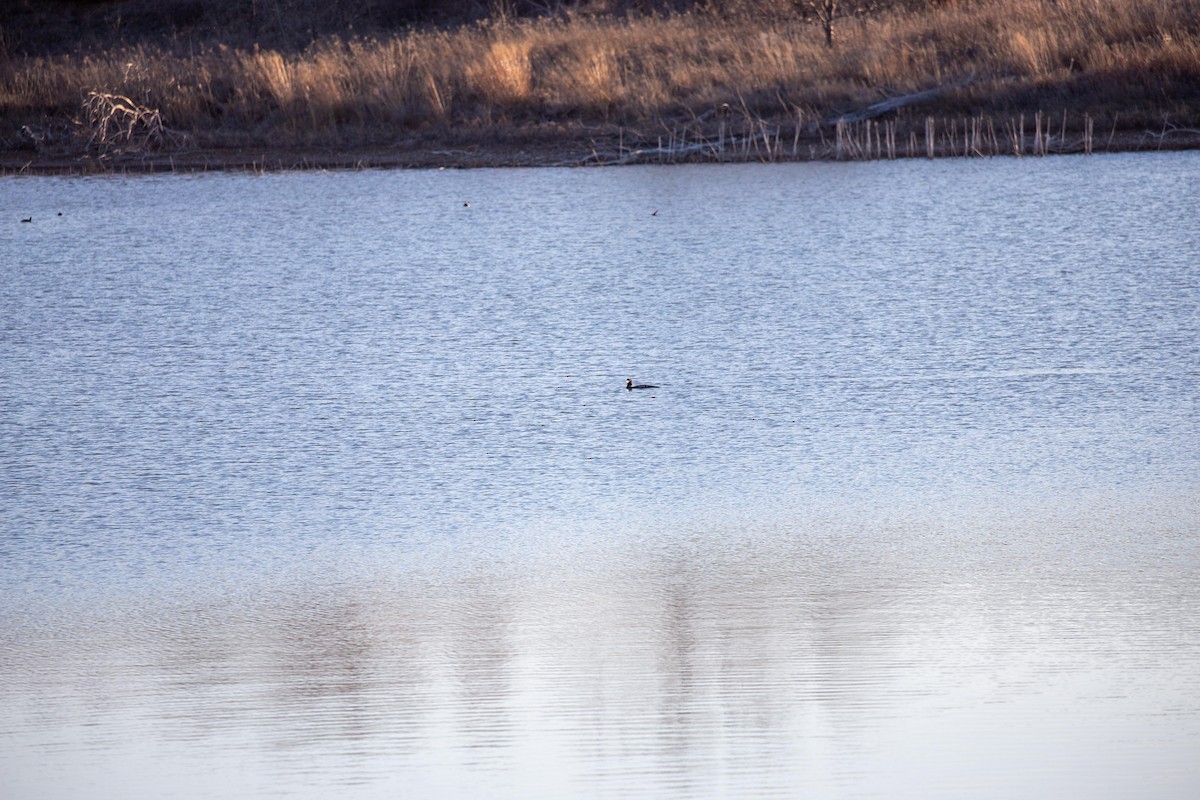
(827, 13)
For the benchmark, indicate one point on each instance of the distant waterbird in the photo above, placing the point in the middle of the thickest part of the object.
(27, 219)
(629, 384)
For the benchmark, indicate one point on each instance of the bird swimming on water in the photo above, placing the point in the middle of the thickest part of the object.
(27, 219)
(629, 384)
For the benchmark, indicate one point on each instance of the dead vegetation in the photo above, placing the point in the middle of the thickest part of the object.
(116, 125)
(711, 83)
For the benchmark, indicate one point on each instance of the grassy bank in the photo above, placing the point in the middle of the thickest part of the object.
(726, 82)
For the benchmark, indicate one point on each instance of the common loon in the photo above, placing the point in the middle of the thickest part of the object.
(629, 384)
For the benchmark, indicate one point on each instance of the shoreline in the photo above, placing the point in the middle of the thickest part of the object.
(921, 80)
(535, 152)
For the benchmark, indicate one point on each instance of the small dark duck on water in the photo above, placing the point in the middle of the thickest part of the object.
(629, 384)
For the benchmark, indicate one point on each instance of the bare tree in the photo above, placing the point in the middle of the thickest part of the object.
(825, 11)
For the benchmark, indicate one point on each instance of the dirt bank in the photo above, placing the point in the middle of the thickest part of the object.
(605, 150)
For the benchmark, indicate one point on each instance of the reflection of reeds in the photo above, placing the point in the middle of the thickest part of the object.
(1087, 60)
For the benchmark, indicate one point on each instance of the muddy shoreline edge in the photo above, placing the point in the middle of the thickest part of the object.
(533, 152)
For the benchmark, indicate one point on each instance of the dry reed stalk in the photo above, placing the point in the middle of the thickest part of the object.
(502, 73)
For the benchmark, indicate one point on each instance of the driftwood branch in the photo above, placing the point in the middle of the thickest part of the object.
(894, 103)
(647, 153)
(1168, 131)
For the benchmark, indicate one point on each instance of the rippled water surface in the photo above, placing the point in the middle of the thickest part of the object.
(327, 485)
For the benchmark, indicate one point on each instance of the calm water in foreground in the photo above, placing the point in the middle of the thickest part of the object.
(327, 485)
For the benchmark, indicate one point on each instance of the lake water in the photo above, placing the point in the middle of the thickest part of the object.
(327, 485)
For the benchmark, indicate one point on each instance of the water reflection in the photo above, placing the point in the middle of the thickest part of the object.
(767, 660)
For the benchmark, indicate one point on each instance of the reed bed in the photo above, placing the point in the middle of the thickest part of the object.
(869, 140)
(1020, 77)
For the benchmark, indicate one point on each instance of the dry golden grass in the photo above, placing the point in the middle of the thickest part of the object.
(1135, 60)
